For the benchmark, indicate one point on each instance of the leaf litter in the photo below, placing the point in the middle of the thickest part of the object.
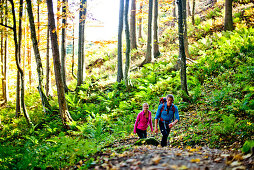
(148, 157)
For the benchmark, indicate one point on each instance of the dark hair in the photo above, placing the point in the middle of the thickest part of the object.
(170, 96)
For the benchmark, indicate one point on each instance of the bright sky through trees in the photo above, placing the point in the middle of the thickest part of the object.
(105, 26)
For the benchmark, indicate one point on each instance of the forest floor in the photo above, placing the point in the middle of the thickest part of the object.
(124, 155)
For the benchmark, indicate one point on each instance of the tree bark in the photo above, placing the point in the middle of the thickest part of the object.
(174, 14)
(38, 20)
(63, 49)
(119, 49)
(182, 51)
(58, 7)
(81, 43)
(17, 55)
(148, 58)
(2, 46)
(186, 44)
(133, 40)
(156, 51)
(228, 21)
(140, 21)
(47, 64)
(193, 12)
(44, 99)
(188, 8)
(65, 115)
(18, 64)
(128, 43)
(73, 52)
(5, 84)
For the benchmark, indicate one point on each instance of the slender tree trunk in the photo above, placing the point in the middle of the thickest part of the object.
(148, 58)
(186, 44)
(140, 21)
(65, 115)
(18, 64)
(228, 23)
(38, 20)
(44, 99)
(17, 54)
(82, 19)
(73, 52)
(174, 13)
(5, 84)
(156, 51)
(29, 62)
(181, 50)
(119, 49)
(2, 45)
(47, 64)
(58, 13)
(193, 12)
(128, 43)
(188, 8)
(133, 25)
(63, 49)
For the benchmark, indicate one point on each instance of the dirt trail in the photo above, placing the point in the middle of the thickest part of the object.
(148, 157)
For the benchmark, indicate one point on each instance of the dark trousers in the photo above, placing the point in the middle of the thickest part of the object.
(164, 131)
(141, 133)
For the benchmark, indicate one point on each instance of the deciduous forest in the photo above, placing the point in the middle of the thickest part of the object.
(72, 99)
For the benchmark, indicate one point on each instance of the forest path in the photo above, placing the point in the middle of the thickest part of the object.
(124, 155)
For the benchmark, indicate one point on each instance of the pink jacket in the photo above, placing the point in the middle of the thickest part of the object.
(142, 123)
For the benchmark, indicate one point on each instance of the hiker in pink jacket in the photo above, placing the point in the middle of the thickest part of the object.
(143, 120)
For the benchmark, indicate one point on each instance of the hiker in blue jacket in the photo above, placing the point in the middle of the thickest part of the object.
(168, 116)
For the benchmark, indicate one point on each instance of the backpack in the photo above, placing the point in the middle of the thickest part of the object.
(163, 101)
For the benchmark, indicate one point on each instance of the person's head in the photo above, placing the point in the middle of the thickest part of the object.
(170, 99)
(145, 106)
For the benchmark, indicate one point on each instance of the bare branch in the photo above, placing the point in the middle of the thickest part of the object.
(6, 26)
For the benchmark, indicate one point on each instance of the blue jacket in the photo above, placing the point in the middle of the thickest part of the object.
(164, 115)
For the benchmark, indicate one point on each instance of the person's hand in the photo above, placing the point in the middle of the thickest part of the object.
(156, 130)
(171, 125)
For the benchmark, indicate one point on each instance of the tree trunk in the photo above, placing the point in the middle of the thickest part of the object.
(156, 51)
(81, 43)
(228, 23)
(148, 58)
(18, 64)
(181, 51)
(140, 21)
(17, 54)
(188, 8)
(63, 49)
(128, 43)
(174, 14)
(38, 20)
(58, 7)
(193, 12)
(186, 44)
(4, 80)
(119, 49)
(2, 46)
(73, 52)
(47, 64)
(133, 40)
(44, 99)
(65, 115)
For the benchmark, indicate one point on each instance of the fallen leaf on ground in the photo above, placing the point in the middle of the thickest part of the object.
(236, 163)
(195, 160)
(156, 159)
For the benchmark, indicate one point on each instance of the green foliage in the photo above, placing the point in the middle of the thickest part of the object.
(228, 126)
(248, 146)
